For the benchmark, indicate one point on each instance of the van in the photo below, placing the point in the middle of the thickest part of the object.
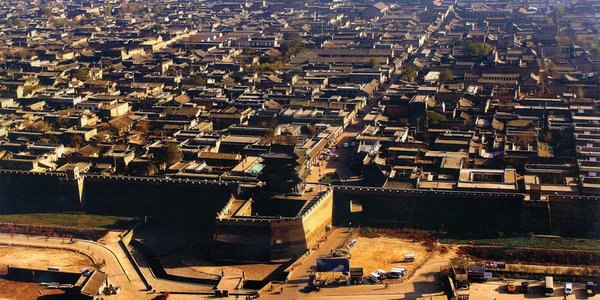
(568, 288)
(382, 274)
(396, 273)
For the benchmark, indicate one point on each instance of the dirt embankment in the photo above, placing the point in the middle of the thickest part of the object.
(533, 256)
(53, 231)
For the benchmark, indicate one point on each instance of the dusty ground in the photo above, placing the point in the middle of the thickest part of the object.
(386, 252)
(42, 258)
(35, 258)
(23, 290)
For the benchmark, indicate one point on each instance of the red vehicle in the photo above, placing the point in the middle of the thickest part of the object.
(511, 287)
(163, 296)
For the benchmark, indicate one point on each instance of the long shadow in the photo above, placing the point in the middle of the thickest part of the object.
(424, 288)
(160, 272)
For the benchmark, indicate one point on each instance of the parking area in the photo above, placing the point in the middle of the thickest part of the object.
(498, 290)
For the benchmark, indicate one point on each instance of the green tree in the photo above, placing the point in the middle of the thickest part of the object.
(479, 49)
(150, 169)
(373, 63)
(159, 8)
(158, 27)
(107, 10)
(76, 142)
(434, 118)
(409, 73)
(171, 154)
(446, 74)
(167, 111)
(16, 23)
(143, 126)
(40, 126)
(559, 11)
(266, 68)
(197, 80)
(81, 74)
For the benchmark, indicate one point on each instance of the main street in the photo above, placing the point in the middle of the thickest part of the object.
(343, 164)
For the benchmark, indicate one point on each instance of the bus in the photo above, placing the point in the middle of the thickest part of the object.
(549, 290)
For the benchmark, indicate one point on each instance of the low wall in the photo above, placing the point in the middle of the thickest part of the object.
(534, 256)
(93, 234)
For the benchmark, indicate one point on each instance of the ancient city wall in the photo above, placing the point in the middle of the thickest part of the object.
(143, 196)
(469, 212)
(575, 215)
(22, 191)
(454, 212)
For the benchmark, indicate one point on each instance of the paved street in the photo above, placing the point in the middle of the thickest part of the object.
(343, 165)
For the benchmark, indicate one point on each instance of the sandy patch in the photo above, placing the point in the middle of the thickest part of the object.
(42, 258)
(386, 252)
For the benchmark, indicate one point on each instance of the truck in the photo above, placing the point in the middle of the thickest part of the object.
(461, 276)
(549, 289)
(590, 288)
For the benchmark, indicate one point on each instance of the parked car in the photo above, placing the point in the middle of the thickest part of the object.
(409, 257)
(568, 288)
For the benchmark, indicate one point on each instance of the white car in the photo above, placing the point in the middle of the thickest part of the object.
(568, 288)
(345, 145)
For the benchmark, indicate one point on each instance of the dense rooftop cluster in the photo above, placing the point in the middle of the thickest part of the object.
(494, 95)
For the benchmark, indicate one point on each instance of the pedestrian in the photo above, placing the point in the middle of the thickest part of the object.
(281, 290)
